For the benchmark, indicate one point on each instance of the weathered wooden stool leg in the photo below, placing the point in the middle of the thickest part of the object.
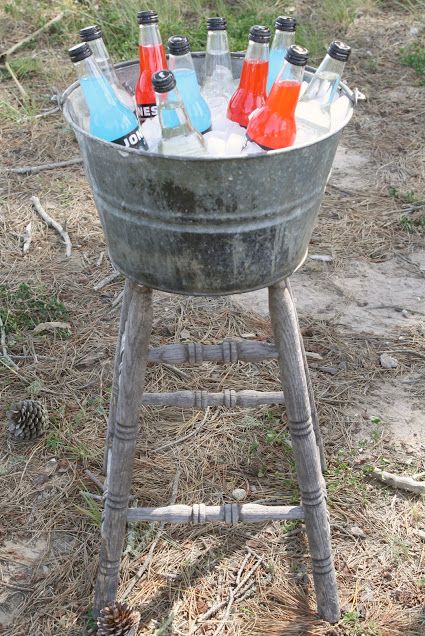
(314, 414)
(120, 467)
(115, 381)
(285, 328)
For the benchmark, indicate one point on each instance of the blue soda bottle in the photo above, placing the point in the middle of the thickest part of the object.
(181, 64)
(109, 118)
(283, 38)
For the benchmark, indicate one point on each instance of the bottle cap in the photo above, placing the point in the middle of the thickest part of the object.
(216, 24)
(296, 55)
(163, 81)
(79, 52)
(339, 51)
(90, 33)
(285, 23)
(260, 34)
(178, 45)
(147, 17)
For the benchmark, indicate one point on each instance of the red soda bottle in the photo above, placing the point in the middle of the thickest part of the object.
(251, 92)
(273, 126)
(152, 59)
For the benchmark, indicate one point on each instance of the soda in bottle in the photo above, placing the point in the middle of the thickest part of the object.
(93, 36)
(181, 63)
(283, 38)
(315, 104)
(273, 126)
(218, 64)
(178, 137)
(251, 92)
(152, 59)
(109, 118)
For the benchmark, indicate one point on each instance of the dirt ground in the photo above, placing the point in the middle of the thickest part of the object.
(368, 300)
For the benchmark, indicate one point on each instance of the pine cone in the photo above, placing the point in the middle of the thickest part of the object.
(118, 620)
(27, 420)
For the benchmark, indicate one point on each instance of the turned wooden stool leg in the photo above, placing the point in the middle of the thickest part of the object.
(286, 333)
(115, 381)
(314, 414)
(120, 467)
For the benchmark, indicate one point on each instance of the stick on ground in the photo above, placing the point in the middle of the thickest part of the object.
(45, 166)
(397, 481)
(6, 356)
(52, 223)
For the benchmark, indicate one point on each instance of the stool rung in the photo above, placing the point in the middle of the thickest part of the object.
(202, 399)
(227, 351)
(231, 513)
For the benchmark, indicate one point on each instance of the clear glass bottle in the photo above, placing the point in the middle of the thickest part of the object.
(251, 92)
(152, 59)
(322, 90)
(93, 36)
(284, 37)
(181, 63)
(273, 126)
(109, 118)
(218, 80)
(178, 137)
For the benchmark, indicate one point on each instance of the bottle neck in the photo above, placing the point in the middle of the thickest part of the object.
(217, 42)
(180, 62)
(102, 58)
(97, 91)
(324, 84)
(283, 39)
(149, 35)
(291, 73)
(171, 111)
(257, 51)
(329, 64)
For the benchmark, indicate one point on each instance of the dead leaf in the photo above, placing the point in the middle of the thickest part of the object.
(51, 326)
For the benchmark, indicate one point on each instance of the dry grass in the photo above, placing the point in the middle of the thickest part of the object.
(49, 535)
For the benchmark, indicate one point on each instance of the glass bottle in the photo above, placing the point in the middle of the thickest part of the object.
(322, 90)
(273, 126)
(251, 92)
(218, 80)
(109, 118)
(93, 36)
(178, 137)
(284, 37)
(181, 63)
(152, 59)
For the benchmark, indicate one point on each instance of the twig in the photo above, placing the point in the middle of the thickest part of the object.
(45, 166)
(25, 239)
(118, 299)
(6, 356)
(237, 592)
(397, 481)
(30, 37)
(52, 223)
(106, 281)
(179, 440)
(94, 479)
(147, 561)
(15, 79)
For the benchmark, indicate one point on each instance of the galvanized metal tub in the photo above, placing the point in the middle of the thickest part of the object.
(204, 226)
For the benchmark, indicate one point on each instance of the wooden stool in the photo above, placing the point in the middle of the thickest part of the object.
(131, 358)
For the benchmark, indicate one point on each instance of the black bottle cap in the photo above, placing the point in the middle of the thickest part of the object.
(163, 81)
(339, 51)
(79, 52)
(90, 33)
(297, 55)
(285, 23)
(147, 17)
(178, 45)
(260, 34)
(216, 24)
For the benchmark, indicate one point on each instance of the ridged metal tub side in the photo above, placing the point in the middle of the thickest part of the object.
(205, 225)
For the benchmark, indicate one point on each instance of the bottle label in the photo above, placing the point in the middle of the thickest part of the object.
(133, 139)
(147, 110)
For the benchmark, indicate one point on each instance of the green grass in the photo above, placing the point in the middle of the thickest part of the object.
(414, 57)
(25, 307)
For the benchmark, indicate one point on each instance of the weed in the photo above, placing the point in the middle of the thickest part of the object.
(414, 57)
(92, 510)
(412, 225)
(25, 307)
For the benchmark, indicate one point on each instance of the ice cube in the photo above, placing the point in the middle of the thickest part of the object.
(151, 130)
(312, 113)
(216, 143)
(253, 149)
(303, 88)
(306, 133)
(339, 111)
(235, 143)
